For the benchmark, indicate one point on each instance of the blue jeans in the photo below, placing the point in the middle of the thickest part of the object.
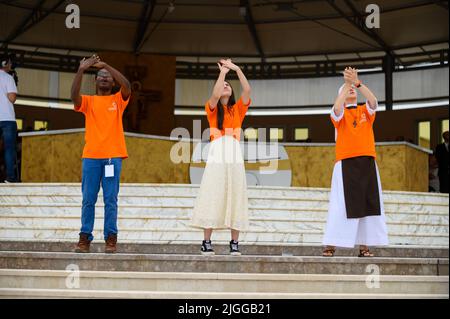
(8, 130)
(93, 176)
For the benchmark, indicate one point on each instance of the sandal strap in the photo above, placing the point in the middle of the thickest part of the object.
(328, 252)
(365, 252)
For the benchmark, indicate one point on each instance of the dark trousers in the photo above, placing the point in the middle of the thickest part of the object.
(8, 130)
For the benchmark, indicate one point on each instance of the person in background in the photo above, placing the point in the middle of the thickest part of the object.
(8, 125)
(441, 154)
(433, 176)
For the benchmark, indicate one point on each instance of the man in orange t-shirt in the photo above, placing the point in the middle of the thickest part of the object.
(356, 213)
(104, 149)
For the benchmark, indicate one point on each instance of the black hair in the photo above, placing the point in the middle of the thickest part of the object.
(4, 59)
(220, 108)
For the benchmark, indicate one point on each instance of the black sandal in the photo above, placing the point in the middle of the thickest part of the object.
(365, 253)
(328, 252)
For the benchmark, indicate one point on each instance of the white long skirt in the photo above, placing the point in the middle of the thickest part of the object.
(222, 201)
(341, 231)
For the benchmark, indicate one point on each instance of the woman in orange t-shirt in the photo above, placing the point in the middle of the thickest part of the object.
(222, 202)
(356, 212)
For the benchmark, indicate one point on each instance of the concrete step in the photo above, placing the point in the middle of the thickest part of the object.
(161, 212)
(183, 196)
(127, 223)
(20, 293)
(285, 207)
(176, 210)
(314, 203)
(192, 248)
(52, 211)
(268, 236)
(188, 191)
(222, 282)
(224, 263)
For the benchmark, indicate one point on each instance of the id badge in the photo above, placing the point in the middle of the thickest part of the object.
(109, 170)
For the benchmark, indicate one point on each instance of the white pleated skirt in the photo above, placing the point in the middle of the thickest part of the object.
(222, 201)
(341, 231)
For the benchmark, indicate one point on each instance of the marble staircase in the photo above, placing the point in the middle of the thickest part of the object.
(153, 213)
(158, 251)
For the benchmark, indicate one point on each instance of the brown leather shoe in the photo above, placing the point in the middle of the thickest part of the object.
(83, 244)
(110, 244)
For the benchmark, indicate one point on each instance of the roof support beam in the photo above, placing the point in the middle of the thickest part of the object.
(442, 4)
(144, 20)
(246, 11)
(359, 22)
(37, 14)
(388, 68)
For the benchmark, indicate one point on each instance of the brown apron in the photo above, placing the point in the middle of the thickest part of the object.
(359, 176)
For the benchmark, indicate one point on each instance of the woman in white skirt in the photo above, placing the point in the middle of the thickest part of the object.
(222, 202)
(356, 213)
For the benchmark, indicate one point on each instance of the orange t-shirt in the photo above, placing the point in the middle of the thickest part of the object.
(354, 132)
(104, 131)
(232, 119)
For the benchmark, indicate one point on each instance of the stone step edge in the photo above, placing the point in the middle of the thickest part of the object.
(219, 276)
(223, 258)
(187, 218)
(59, 293)
(172, 185)
(216, 242)
(253, 194)
(183, 206)
(194, 230)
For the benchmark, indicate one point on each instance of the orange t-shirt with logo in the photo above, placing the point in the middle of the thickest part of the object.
(104, 135)
(232, 120)
(354, 129)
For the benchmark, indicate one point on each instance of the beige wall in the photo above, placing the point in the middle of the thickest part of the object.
(56, 158)
(37, 83)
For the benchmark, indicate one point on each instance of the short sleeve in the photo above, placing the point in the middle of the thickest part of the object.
(210, 112)
(243, 108)
(84, 104)
(336, 120)
(371, 112)
(121, 102)
(11, 85)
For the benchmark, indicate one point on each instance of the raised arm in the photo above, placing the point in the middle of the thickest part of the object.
(370, 97)
(218, 87)
(338, 106)
(246, 89)
(125, 86)
(76, 84)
